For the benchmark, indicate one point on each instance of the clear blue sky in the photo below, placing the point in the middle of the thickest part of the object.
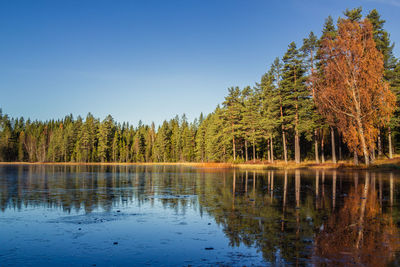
(149, 60)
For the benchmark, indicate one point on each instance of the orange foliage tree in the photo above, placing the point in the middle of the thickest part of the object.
(350, 89)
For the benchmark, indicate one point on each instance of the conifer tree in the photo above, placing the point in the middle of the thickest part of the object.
(354, 15)
(21, 150)
(296, 100)
(218, 139)
(383, 44)
(105, 136)
(274, 106)
(270, 101)
(251, 117)
(395, 120)
(309, 49)
(115, 143)
(200, 140)
(329, 32)
(232, 114)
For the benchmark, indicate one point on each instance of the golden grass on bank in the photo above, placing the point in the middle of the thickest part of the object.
(388, 164)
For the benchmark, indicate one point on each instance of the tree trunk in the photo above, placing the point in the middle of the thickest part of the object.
(297, 147)
(379, 144)
(333, 145)
(355, 157)
(283, 128)
(373, 156)
(268, 151)
(296, 136)
(362, 137)
(390, 143)
(272, 150)
(316, 146)
(246, 151)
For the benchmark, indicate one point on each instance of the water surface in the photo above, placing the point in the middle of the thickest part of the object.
(174, 215)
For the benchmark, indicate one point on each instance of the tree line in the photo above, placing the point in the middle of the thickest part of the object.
(336, 96)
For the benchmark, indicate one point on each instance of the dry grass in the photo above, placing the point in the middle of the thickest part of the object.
(386, 164)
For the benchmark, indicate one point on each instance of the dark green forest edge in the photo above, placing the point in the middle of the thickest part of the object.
(277, 119)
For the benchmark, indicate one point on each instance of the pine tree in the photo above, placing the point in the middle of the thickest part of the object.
(395, 120)
(176, 140)
(296, 100)
(232, 114)
(251, 121)
(329, 32)
(354, 14)
(383, 44)
(200, 140)
(21, 150)
(309, 49)
(187, 137)
(105, 136)
(217, 137)
(162, 145)
(86, 143)
(272, 109)
(115, 146)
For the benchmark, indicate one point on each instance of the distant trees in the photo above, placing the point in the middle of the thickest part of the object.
(335, 89)
(105, 137)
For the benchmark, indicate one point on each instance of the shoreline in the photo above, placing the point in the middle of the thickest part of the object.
(381, 164)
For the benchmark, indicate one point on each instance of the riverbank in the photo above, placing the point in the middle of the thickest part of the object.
(381, 164)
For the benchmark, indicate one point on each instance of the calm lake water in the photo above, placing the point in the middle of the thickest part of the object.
(173, 215)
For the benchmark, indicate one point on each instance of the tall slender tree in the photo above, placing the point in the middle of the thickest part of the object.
(233, 107)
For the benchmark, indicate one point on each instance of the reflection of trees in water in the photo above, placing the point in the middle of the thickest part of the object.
(282, 223)
(359, 233)
(265, 217)
(91, 187)
(279, 213)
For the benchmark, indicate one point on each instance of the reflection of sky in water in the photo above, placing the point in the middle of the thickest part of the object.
(171, 215)
(149, 234)
(147, 231)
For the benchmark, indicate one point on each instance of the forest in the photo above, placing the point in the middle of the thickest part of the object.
(333, 97)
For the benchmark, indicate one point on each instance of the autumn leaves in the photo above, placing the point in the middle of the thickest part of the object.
(349, 88)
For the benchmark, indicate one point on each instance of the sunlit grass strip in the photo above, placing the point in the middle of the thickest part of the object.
(390, 164)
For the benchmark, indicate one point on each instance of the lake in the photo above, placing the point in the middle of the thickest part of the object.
(76, 215)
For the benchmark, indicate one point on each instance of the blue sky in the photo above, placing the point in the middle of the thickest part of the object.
(149, 60)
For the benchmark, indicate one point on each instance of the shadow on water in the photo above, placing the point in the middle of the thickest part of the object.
(290, 217)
